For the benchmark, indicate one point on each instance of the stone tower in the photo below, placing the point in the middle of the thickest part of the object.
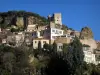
(57, 18)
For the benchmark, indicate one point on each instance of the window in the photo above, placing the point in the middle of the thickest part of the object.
(64, 36)
(57, 32)
(60, 47)
(60, 32)
(35, 41)
(53, 30)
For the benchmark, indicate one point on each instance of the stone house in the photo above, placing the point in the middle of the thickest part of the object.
(16, 38)
(42, 40)
(62, 40)
(90, 55)
(28, 38)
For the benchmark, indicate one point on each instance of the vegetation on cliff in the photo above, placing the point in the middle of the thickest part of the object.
(20, 18)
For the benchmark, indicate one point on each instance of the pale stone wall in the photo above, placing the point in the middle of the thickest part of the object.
(58, 18)
(77, 33)
(52, 41)
(52, 25)
(63, 40)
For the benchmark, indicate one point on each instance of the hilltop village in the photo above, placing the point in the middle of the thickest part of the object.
(53, 31)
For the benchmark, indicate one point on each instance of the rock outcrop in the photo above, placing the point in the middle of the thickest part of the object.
(20, 22)
(86, 33)
(86, 37)
(98, 45)
(21, 18)
(90, 42)
(31, 20)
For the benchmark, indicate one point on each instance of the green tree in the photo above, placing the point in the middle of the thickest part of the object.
(65, 47)
(3, 26)
(54, 47)
(39, 46)
(78, 55)
(59, 64)
(46, 46)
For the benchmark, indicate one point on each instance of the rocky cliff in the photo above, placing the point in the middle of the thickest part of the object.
(21, 18)
(86, 37)
(86, 33)
(98, 45)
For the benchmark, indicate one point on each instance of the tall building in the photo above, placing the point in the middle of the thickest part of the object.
(55, 26)
(57, 18)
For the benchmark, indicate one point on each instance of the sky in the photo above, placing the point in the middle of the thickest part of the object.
(76, 14)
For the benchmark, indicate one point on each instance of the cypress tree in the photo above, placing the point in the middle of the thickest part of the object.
(54, 47)
(77, 52)
(39, 45)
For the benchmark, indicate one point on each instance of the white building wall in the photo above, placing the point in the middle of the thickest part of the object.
(35, 43)
(55, 32)
(59, 46)
(38, 34)
(89, 56)
(30, 28)
(4, 41)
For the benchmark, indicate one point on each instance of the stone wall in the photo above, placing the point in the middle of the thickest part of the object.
(63, 40)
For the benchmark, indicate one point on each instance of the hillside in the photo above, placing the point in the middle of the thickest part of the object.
(21, 18)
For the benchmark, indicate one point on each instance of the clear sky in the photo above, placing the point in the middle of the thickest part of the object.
(75, 13)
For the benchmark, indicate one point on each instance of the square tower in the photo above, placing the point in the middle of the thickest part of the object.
(57, 18)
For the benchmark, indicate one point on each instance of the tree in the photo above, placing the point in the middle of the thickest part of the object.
(39, 46)
(65, 47)
(58, 65)
(46, 46)
(78, 55)
(54, 47)
(3, 26)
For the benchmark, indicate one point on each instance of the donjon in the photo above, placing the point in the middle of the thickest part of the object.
(57, 18)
